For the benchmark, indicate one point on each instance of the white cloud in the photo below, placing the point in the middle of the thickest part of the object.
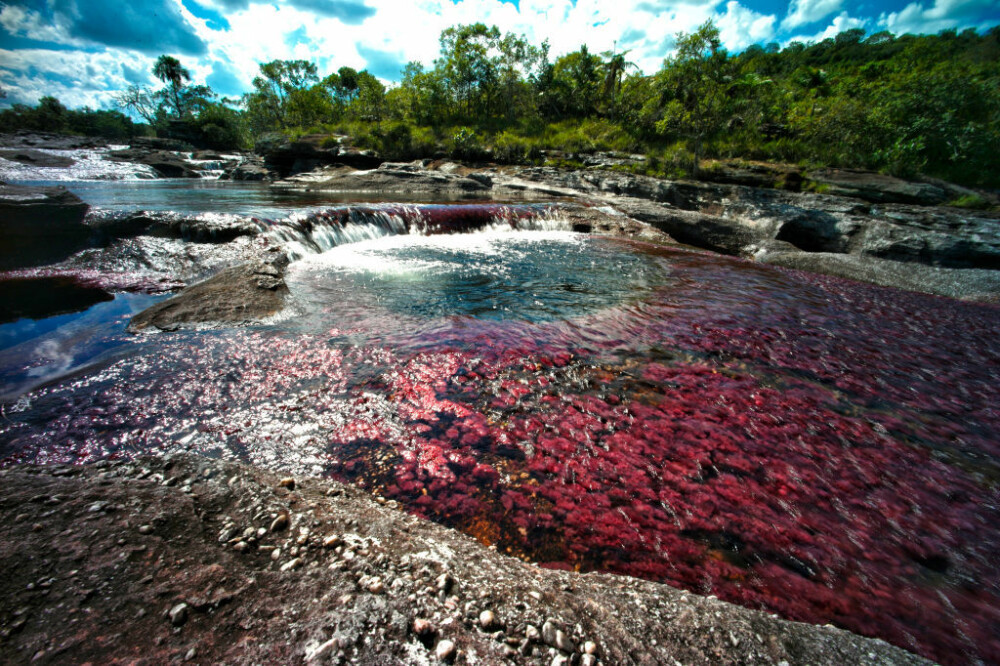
(804, 12)
(915, 18)
(740, 27)
(22, 22)
(837, 26)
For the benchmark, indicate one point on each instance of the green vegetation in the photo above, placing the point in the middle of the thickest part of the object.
(51, 116)
(901, 105)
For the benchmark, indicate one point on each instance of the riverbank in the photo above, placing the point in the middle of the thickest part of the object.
(189, 559)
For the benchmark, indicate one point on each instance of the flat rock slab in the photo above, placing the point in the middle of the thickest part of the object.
(161, 560)
(40, 225)
(242, 294)
(37, 158)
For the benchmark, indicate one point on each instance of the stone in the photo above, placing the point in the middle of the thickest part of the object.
(487, 620)
(288, 482)
(145, 529)
(376, 586)
(590, 647)
(167, 164)
(320, 652)
(445, 650)
(238, 295)
(531, 634)
(40, 225)
(563, 642)
(422, 627)
(178, 614)
(292, 564)
(549, 634)
(280, 522)
(331, 541)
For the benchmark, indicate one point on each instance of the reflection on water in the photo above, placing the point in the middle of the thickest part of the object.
(197, 196)
(816, 447)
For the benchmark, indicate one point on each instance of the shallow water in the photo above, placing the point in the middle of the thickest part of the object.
(820, 448)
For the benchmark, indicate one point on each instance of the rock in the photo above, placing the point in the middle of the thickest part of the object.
(391, 177)
(287, 483)
(376, 586)
(41, 297)
(238, 295)
(331, 541)
(549, 634)
(590, 647)
(40, 225)
(487, 620)
(178, 614)
(563, 642)
(167, 164)
(288, 156)
(559, 660)
(588, 660)
(250, 168)
(445, 650)
(322, 651)
(145, 529)
(531, 634)
(422, 627)
(108, 226)
(280, 522)
(877, 187)
(292, 564)
(37, 158)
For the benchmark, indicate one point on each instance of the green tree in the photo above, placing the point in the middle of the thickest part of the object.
(694, 87)
(169, 70)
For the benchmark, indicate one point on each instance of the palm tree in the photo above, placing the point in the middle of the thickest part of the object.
(169, 70)
(614, 68)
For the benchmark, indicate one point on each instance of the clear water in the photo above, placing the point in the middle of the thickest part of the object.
(820, 448)
(197, 196)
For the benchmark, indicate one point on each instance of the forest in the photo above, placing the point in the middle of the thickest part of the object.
(902, 105)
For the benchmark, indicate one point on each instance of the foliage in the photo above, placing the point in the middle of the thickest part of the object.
(903, 105)
(51, 116)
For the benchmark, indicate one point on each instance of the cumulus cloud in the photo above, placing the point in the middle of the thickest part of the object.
(154, 26)
(838, 25)
(805, 12)
(916, 18)
(740, 27)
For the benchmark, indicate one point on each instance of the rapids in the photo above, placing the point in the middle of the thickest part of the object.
(817, 447)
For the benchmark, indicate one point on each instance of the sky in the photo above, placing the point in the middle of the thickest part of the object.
(83, 51)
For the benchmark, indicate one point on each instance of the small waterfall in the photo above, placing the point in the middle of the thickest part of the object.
(318, 231)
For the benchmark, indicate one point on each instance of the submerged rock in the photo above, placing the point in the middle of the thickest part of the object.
(40, 225)
(238, 295)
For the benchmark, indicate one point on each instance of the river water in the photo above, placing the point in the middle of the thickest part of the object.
(819, 448)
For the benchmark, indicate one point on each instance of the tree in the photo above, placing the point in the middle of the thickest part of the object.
(169, 70)
(694, 87)
(286, 93)
(138, 100)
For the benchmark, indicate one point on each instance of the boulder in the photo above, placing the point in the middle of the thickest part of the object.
(166, 164)
(390, 177)
(288, 156)
(242, 294)
(252, 169)
(40, 225)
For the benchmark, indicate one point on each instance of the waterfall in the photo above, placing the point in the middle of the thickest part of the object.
(318, 231)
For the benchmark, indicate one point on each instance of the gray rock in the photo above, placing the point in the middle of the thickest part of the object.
(238, 295)
(178, 614)
(445, 650)
(40, 225)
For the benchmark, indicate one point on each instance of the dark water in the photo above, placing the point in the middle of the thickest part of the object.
(823, 449)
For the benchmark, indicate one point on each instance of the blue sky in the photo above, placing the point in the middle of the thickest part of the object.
(82, 51)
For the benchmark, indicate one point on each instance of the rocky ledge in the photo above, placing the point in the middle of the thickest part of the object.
(164, 560)
(40, 225)
(240, 294)
(875, 228)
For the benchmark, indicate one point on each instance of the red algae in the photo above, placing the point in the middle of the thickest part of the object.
(818, 448)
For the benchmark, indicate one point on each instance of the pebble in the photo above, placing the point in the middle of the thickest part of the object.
(588, 660)
(559, 660)
(280, 523)
(291, 564)
(323, 650)
(531, 633)
(444, 650)
(563, 642)
(376, 586)
(276, 554)
(331, 541)
(241, 546)
(191, 654)
(549, 633)
(145, 529)
(487, 619)
(178, 614)
(288, 482)
(422, 627)
(590, 647)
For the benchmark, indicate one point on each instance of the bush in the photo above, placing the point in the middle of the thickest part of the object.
(971, 201)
